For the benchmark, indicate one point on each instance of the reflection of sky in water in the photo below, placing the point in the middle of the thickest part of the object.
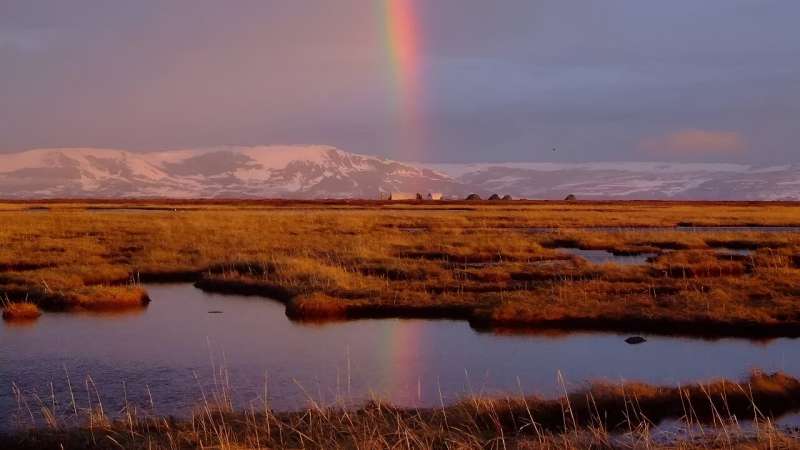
(405, 361)
(729, 229)
(673, 429)
(734, 251)
(604, 256)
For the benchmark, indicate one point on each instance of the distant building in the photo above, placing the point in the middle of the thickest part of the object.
(402, 196)
(411, 196)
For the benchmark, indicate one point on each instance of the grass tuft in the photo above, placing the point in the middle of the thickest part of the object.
(715, 415)
(20, 311)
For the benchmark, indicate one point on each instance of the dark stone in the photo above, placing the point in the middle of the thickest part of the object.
(571, 198)
(634, 340)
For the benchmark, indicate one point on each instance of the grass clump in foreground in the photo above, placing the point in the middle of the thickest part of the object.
(719, 414)
(488, 263)
(20, 311)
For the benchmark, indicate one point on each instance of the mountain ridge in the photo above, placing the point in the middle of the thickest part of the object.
(319, 171)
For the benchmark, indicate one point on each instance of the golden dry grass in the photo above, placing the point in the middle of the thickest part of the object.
(719, 414)
(20, 311)
(486, 262)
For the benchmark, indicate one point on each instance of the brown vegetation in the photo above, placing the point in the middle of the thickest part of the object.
(20, 311)
(496, 264)
(604, 415)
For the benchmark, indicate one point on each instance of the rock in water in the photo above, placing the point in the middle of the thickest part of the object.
(633, 340)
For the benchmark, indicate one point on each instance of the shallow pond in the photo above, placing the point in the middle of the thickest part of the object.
(172, 345)
(734, 251)
(685, 229)
(604, 256)
(131, 210)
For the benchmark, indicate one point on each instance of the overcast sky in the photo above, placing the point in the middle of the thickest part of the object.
(678, 80)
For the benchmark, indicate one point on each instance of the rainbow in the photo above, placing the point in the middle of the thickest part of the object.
(403, 36)
(401, 347)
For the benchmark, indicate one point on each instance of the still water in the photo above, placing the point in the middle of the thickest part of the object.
(681, 228)
(604, 256)
(171, 347)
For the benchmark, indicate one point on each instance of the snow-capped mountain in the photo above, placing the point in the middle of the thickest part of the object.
(631, 180)
(230, 172)
(325, 172)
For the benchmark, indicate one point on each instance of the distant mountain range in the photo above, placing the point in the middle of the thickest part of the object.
(316, 172)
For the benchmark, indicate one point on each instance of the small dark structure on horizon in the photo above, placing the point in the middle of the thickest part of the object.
(494, 197)
(473, 197)
(507, 198)
(571, 198)
(411, 196)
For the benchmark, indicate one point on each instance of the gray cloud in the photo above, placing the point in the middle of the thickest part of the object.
(504, 80)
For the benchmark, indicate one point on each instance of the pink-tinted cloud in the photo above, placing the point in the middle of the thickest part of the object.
(696, 142)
